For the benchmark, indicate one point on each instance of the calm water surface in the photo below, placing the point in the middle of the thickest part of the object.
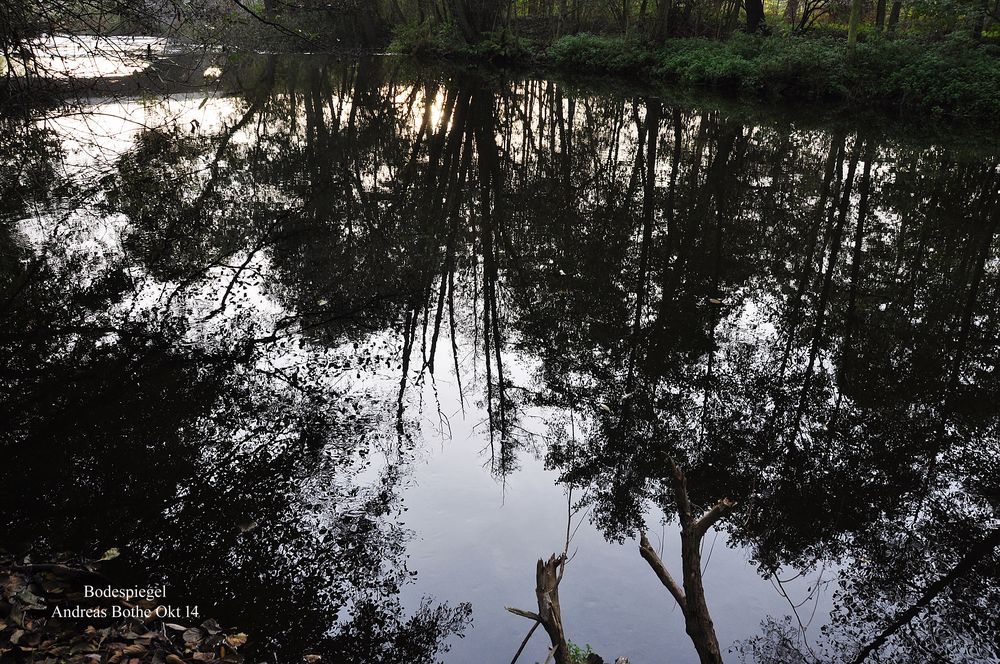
(338, 349)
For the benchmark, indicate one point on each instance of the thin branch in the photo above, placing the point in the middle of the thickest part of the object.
(662, 573)
(524, 614)
(527, 638)
(973, 556)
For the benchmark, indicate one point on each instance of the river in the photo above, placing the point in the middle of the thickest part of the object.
(337, 348)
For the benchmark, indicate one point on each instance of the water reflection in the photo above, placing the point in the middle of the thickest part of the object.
(239, 318)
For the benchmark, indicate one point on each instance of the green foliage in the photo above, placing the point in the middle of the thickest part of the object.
(578, 655)
(774, 66)
(701, 62)
(445, 40)
(604, 54)
(502, 46)
(427, 39)
(954, 76)
(803, 67)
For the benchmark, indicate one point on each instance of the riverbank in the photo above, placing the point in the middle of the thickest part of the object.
(48, 613)
(950, 78)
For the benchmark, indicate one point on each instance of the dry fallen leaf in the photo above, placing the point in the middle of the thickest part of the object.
(311, 658)
(31, 600)
(193, 635)
(237, 640)
(211, 626)
(111, 554)
(246, 525)
(15, 583)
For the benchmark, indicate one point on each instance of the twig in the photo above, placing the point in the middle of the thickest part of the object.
(527, 638)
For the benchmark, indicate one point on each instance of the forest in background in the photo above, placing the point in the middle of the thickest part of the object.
(940, 59)
(473, 22)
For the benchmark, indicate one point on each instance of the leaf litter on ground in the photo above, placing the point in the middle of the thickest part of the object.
(29, 594)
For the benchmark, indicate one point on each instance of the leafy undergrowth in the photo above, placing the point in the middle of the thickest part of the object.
(31, 594)
(951, 77)
(947, 77)
(612, 55)
(584, 655)
(444, 40)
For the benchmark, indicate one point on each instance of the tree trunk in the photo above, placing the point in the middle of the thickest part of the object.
(792, 11)
(852, 27)
(547, 593)
(464, 21)
(755, 16)
(979, 21)
(547, 577)
(897, 6)
(697, 619)
(475, 18)
(880, 16)
(661, 20)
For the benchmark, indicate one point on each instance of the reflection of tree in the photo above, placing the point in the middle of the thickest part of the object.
(802, 319)
(825, 429)
(120, 430)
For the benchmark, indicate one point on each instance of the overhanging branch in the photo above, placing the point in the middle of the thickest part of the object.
(649, 554)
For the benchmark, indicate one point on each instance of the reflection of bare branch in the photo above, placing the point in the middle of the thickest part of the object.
(563, 559)
(803, 627)
(232, 282)
(973, 556)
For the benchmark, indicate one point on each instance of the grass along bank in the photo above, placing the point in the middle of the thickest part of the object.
(950, 77)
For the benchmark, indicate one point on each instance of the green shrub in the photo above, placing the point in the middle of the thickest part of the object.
(427, 39)
(578, 655)
(805, 67)
(503, 46)
(703, 62)
(613, 55)
(953, 76)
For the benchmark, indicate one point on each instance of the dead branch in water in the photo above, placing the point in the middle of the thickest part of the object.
(547, 575)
